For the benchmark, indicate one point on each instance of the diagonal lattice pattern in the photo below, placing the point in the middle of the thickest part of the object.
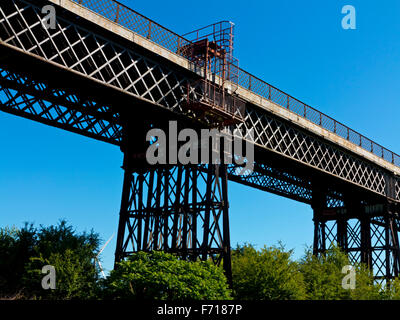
(90, 54)
(283, 138)
(138, 23)
(370, 240)
(175, 209)
(39, 101)
(22, 96)
(273, 180)
(105, 61)
(167, 208)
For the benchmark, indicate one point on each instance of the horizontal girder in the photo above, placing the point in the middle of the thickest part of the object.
(39, 101)
(89, 52)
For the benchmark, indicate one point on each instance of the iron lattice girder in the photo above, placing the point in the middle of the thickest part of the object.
(147, 78)
(23, 96)
(44, 90)
(366, 236)
(90, 54)
(178, 209)
(98, 58)
(275, 180)
(287, 140)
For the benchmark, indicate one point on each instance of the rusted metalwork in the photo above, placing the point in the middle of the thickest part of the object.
(211, 48)
(221, 36)
(173, 42)
(97, 58)
(63, 78)
(211, 102)
(366, 232)
(177, 209)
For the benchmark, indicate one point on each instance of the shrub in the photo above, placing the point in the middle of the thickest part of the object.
(268, 274)
(163, 276)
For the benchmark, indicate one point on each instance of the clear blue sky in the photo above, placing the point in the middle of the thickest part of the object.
(299, 46)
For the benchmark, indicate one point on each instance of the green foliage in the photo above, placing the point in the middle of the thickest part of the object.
(162, 276)
(393, 291)
(268, 274)
(75, 277)
(24, 252)
(72, 256)
(366, 288)
(16, 246)
(323, 278)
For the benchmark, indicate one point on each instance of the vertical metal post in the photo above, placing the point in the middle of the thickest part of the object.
(342, 233)
(318, 204)
(396, 249)
(227, 264)
(177, 209)
(123, 214)
(117, 13)
(206, 226)
(194, 211)
(185, 213)
(365, 229)
(388, 247)
(146, 239)
(165, 208)
(140, 213)
(149, 31)
(157, 212)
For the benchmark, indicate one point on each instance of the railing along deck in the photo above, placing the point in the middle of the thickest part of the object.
(128, 18)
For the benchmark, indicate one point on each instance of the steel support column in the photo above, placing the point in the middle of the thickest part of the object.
(318, 204)
(366, 252)
(176, 209)
(366, 233)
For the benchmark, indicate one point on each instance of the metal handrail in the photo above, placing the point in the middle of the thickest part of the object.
(129, 18)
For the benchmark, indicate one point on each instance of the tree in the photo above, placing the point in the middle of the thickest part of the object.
(161, 276)
(23, 253)
(16, 246)
(323, 278)
(72, 255)
(393, 290)
(267, 274)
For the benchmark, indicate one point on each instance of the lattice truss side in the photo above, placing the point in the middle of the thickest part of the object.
(98, 58)
(175, 209)
(90, 54)
(369, 240)
(285, 139)
(273, 180)
(385, 247)
(22, 96)
(397, 188)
